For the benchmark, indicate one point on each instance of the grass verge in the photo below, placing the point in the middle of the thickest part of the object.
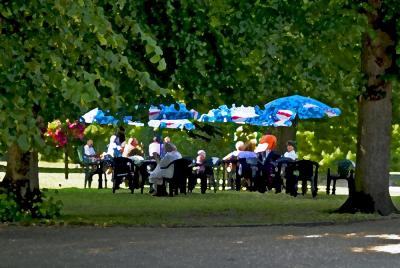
(229, 208)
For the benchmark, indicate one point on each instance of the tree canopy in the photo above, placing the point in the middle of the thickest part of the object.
(61, 58)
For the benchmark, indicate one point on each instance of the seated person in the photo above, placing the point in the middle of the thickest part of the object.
(133, 151)
(244, 157)
(113, 150)
(199, 169)
(120, 136)
(157, 175)
(89, 154)
(270, 140)
(167, 139)
(155, 149)
(248, 151)
(286, 159)
(132, 148)
(291, 153)
(239, 147)
(94, 166)
(266, 145)
(231, 165)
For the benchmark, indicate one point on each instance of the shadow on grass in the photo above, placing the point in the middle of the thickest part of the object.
(224, 208)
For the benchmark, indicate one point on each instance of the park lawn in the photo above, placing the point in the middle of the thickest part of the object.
(224, 208)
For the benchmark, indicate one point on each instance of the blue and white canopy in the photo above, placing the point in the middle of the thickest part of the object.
(282, 111)
(172, 123)
(98, 116)
(235, 114)
(163, 116)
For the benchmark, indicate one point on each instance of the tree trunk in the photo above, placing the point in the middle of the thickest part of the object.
(22, 176)
(374, 120)
(373, 159)
(283, 135)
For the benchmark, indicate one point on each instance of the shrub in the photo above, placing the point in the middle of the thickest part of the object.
(42, 208)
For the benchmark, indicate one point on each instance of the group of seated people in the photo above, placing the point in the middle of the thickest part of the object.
(242, 164)
(165, 154)
(117, 147)
(249, 161)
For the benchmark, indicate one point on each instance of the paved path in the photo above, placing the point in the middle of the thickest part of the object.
(351, 245)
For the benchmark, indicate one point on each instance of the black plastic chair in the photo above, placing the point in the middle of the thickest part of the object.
(182, 171)
(267, 178)
(90, 169)
(210, 164)
(307, 171)
(248, 167)
(123, 168)
(142, 170)
(345, 171)
(284, 167)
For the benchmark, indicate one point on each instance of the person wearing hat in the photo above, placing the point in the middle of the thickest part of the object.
(291, 153)
(269, 141)
(157, 175)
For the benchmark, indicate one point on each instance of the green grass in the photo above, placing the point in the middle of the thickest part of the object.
(50, 169)
(101, 207)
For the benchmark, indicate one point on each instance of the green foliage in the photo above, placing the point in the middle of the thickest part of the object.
(395, 148)
(62, 58)
(11, 211)
(48, 208)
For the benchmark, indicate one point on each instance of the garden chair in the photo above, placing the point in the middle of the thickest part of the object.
(267, 178)
(90, 169)
(345, 171)
(307, 171)
(123, 168)
(284, 169)
(182, 171)
(247, 170)
(142, 170)
(230, 175)
(210, 164)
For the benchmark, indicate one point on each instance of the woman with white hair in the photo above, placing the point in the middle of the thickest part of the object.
(160, 172)
(231, 164)
(239, 147)
(199, 169)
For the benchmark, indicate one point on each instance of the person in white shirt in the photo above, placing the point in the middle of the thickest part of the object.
(89, 152)
(160, 172)
(113, 148)
(291, 153)
(155, 149)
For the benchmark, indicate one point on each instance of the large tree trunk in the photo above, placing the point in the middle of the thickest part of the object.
(22, 176)
(283, 135)
(373, 159)
(374, 120)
